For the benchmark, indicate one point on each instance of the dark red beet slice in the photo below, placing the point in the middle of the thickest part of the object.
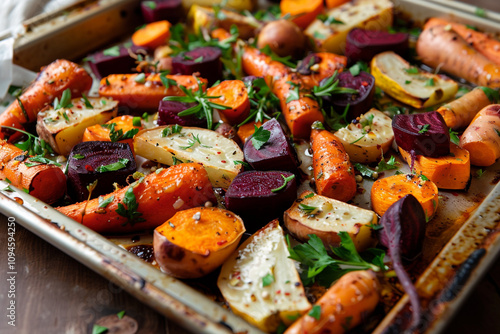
(304, 66)
(422, 134)
(364, 44)
(158, 10)
(205, 60)
(168, 114)
(83, 169)
(276, 154)
(358, 103)
(114, 60)
(250, 196)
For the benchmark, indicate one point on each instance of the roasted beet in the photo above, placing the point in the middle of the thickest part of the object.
(250, 195)
(158, 10)
(205, 61)
(364, 44)
(422, 134)
(114, 60)
(304, 66)
(85, 160)
(276, 154)
(168, 114)
(358, 103)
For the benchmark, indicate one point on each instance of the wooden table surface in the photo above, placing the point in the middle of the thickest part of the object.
(56, 294)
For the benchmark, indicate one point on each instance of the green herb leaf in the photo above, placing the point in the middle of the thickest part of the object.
(136, 121)
(15, 91)
(41, 159)
(105, 202)
(309, 195)
(407, 82)
(267, 280)
(167, 82)
(454, 137)
(480, 12)
(293, 94)
(307, 209)
(330, 87)
(244, 163)
(286, 180)
(358, 139)
(424, 128)
(411, 70)
(328, 20)
(88, 105)
(78, 156)
(150, 5)
(492, 94)
(113, 51)
(479, 173)
(315, 312)
(430, 82)
(364, 170)
(358, 67)
(121, 313)
(423, 177)
(170, 130)
(260, 137)
(284, 60)
(140, 78)
(99, 329)
(120, 164)
(375, 227)
(128, 208)
(65, 100)
(387, 165)
(8, 189)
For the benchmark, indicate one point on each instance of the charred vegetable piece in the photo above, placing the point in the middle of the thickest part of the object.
(362, 44)
(360, 102)
(422, 134)
(263, 194)
(168, 114)
(277, 153)
(204, 60)
(196, 241)
(157, 10)
(116, 59)
(106, 162)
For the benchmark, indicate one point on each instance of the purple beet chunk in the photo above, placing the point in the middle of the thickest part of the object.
(422, 134)
(250, 195)
(158, 10)
(83, 171)
(204, 60)
(304, 66)
(104, 63)
(168, 114)
(276, 154)
(406, 216)
(358, 103)
(364, 44)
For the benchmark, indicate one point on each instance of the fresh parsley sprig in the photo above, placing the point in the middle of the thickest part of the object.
(288, 61)
(117, 135)
(65, 101)
(128, 207)
(260, 137)
(33, 145)
(120, 164)
(262, 101)
(330, 87)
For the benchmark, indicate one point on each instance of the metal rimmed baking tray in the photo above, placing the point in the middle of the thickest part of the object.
(458, 233)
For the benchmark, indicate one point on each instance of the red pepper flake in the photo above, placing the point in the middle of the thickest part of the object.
(89, 168)
(79, 106)
(287, 293)
(278, 292)
(364, 83)
(219, 152)
(221, 242)
(223, 161)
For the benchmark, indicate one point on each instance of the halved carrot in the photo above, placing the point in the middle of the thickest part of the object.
(50, 83)
(159, 196)
(146, 95)
(447, 172)
(46, 182)
(335, 3)
(342, 307)
(333, 172)
(390, 189)
(152, 35)
(233, 94)
(100, 133)
(303, 12)
(330, 62)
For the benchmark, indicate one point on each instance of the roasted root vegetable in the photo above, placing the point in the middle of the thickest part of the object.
(326, 217)
(460, 59)
(362, 44)
(264, 293)
(303, 12)
(330, 34)
(257, 63)
(204, 60)
(136, 92)
(482, 136)
(115, 59)
(459, 113)
(388, 190)
(157, 10)
(283, 37)
(239, 5)
(147, 203)
(168, 113)
(232, 94)
(333, 172)
(46, 182)
(50, 83)
(121, 128)
(196, 241)
(319, 66)
(64, 127)
(408, 84)
(369, 138)
(175, 144)
(450, 171)
(152, 35)
(342, 307)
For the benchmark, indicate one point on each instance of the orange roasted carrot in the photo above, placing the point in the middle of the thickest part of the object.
(124, 123)
(233, 94)
(458, 57)
(158, 197)
(342, 307)
(255, 62)
(50, 83)
(330, 62)
(482, 137)
(46, 182)
(390, 189)
(459, 113)
(302, 11)
(333, 172)
(335, 3)
(152, 35)
(145, 94)
(247, 130)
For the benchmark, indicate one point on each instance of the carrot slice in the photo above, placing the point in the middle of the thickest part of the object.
(233, 94)
(330, 62)
(152, 35)
(100, 133)
(447, 172)
(390, 189)
(305, 11)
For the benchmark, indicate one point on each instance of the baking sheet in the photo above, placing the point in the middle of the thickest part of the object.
(192, 309)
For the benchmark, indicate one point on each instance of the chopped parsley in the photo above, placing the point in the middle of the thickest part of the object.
(267, 280)
(260, 137)
(285, 182)
(128, 208)
(120, 164)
